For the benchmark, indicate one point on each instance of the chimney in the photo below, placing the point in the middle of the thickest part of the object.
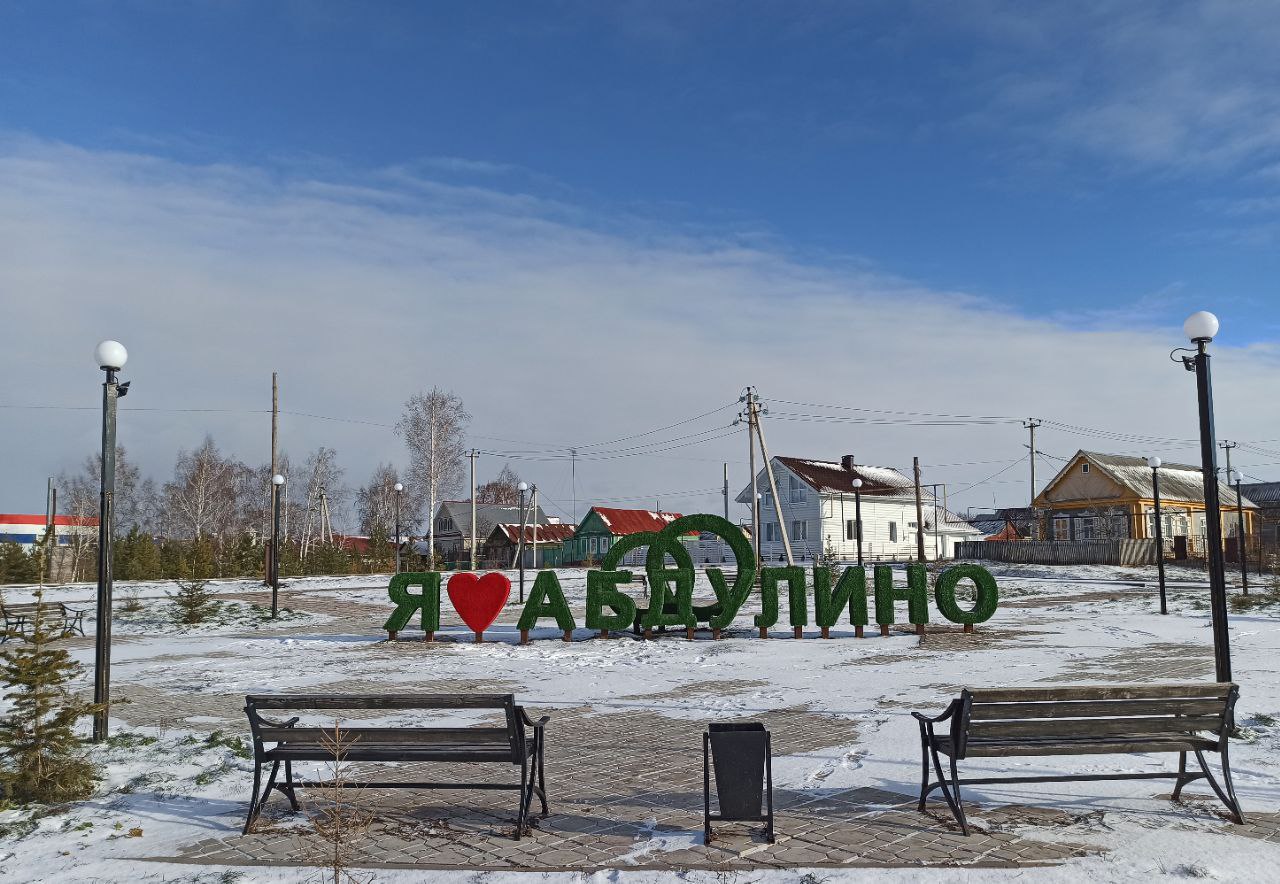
(846, 463)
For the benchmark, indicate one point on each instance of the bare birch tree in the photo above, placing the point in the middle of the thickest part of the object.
(135, 504)
(204, 499)
(433, 427)
(503, 488)
(376, 503)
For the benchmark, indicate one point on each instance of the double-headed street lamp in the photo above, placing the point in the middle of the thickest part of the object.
(1236, 478)
(857, 516)
(110, 357)
(1154, 463)
(278, 482)
(399, 489)
(1201, 327)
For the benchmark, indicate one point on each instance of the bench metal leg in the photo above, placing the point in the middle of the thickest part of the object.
(287, 787)
(526, 795)
(258, 800)
(542, 779)
(1183, 779)
(954, 803)
(924, 776)
(1229, 796)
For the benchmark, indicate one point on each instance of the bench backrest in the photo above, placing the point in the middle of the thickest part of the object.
(1103, 711)
(26, 608)
(511, 735)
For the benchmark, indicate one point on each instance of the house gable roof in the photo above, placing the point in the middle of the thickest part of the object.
(621, 522)
(827, 477)
(1132, 476)
(487, 515)
(551, 533)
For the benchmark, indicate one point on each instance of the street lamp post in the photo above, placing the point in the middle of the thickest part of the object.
(278, 481)
(110, 357)
(399, 489)
(1236, 478)
(1154, 463)
(1201, 327)
(522, 488)
(755, 515)
(857, 516)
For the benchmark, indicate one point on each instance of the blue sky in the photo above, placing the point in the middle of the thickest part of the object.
(1023, 179)
(937, 141)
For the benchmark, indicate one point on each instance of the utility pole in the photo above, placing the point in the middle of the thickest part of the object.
(726, 492)
(1031, 423)
(773, 488)
(1227, 446)
(915, 463)
(573, 481)
(472, 455)
(749, 398)
(534, 489)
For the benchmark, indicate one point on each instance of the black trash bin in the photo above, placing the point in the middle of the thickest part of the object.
(740, 753)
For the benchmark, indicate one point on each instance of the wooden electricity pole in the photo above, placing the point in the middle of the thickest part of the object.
(753, 412)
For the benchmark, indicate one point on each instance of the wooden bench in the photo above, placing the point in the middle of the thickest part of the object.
(701, 613)
(277, 742)
(1085, 720)
(19, 619)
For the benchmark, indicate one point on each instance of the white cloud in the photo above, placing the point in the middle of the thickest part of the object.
(552, 324)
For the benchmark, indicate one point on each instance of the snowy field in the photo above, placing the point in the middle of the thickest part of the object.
(175, 771)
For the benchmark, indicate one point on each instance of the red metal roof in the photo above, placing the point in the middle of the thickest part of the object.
(623, 522)
(39, 519)
(546, 533)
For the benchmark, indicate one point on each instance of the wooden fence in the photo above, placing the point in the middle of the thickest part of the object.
(1060, 552)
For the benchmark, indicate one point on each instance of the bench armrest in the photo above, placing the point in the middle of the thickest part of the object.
(536, 725)
(950, 711)
(289, 723)
(79, 612)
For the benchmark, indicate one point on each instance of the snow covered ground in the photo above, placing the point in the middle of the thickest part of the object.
(176, 771)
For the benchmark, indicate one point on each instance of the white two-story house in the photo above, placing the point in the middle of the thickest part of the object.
(817, 503)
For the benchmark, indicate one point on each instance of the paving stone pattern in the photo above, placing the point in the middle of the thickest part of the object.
(642, 807)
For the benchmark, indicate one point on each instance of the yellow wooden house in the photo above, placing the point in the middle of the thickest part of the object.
(1111, 496)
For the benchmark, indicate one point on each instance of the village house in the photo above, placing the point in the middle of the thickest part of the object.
(453, 525)
(604, 526)
(1110, 496)
(1266, 497)
(543, 545)
(817, 503)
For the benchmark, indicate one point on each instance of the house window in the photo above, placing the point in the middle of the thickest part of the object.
(1084, 467)
(799, 530)
(1062, 528)
(604, 544)
(591, 544)
(797, 492)
(893, 532)
(768, 532)
(849, 529)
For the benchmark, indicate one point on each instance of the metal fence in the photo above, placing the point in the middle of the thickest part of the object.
(1052, 552)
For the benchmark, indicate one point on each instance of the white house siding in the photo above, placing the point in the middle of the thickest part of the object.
(826, 517)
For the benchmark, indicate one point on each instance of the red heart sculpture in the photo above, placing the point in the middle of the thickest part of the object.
(479, 600)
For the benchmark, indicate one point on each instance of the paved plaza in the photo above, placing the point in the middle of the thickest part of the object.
(624, 774)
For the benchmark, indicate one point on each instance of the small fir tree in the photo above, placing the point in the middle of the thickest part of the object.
(193, 603)
(16, 566)
(41, 757)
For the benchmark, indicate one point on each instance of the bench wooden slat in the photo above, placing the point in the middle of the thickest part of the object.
(1094, 709)
(398, 753)
(1101, 692)
(409, 735)
(1084, 747)
(380, 701)
(1091, 727)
